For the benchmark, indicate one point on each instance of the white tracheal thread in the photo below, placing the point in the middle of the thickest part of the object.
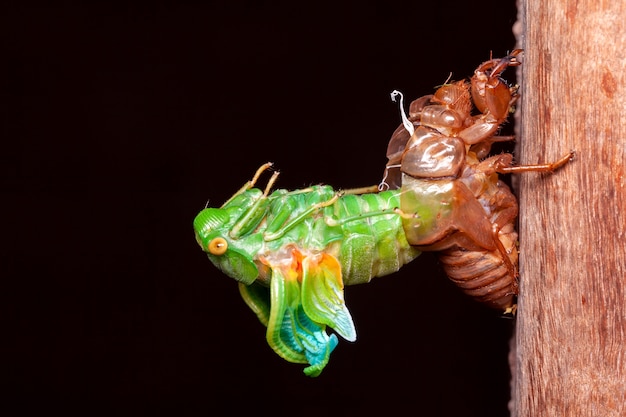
(405, 120)
(407, 125)
(383, 186)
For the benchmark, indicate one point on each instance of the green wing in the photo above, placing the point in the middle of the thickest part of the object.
(322, 294)
(305, 295)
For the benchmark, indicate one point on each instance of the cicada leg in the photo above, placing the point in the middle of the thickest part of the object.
(249, 184)
(549, 167)
(361, 190)
(270, 183)
(268, 236)
(503, 252)
(257, 208)
(482, 148)
(258, 173)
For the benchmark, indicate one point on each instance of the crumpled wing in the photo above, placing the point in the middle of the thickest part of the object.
(322, 294)
(291, 332)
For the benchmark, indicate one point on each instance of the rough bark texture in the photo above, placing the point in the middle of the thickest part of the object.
(571, 325)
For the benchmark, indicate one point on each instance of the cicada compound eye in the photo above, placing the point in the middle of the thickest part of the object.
(218, 246)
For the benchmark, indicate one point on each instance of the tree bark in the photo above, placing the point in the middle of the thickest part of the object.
(571, 322)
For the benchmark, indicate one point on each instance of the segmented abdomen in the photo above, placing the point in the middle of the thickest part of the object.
(374, 241)
(484, 275)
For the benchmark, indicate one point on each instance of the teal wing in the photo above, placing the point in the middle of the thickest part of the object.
(305, 295)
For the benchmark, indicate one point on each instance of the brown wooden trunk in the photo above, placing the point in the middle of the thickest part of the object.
(571, 322)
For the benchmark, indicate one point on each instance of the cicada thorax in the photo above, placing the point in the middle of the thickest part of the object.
(465, 212)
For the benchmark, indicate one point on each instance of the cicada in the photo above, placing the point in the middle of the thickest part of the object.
(439, 158)
(293, 251)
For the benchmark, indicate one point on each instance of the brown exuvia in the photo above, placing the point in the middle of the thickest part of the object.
(439, 157)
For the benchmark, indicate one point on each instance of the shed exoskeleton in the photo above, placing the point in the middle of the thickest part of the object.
(439, 158)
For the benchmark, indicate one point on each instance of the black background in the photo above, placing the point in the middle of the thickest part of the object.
(119, 122)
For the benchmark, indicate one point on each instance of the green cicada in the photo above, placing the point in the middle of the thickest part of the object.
(293, 251)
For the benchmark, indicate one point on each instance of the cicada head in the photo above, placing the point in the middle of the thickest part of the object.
(232, 255)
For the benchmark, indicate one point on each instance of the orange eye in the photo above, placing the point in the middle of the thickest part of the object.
(218, 246)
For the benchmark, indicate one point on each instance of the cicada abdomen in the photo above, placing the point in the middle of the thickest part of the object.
(439, 159)
(474, 234)
(487, 271)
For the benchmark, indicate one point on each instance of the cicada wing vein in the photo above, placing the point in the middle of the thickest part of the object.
(322, 294)
(291, 332)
